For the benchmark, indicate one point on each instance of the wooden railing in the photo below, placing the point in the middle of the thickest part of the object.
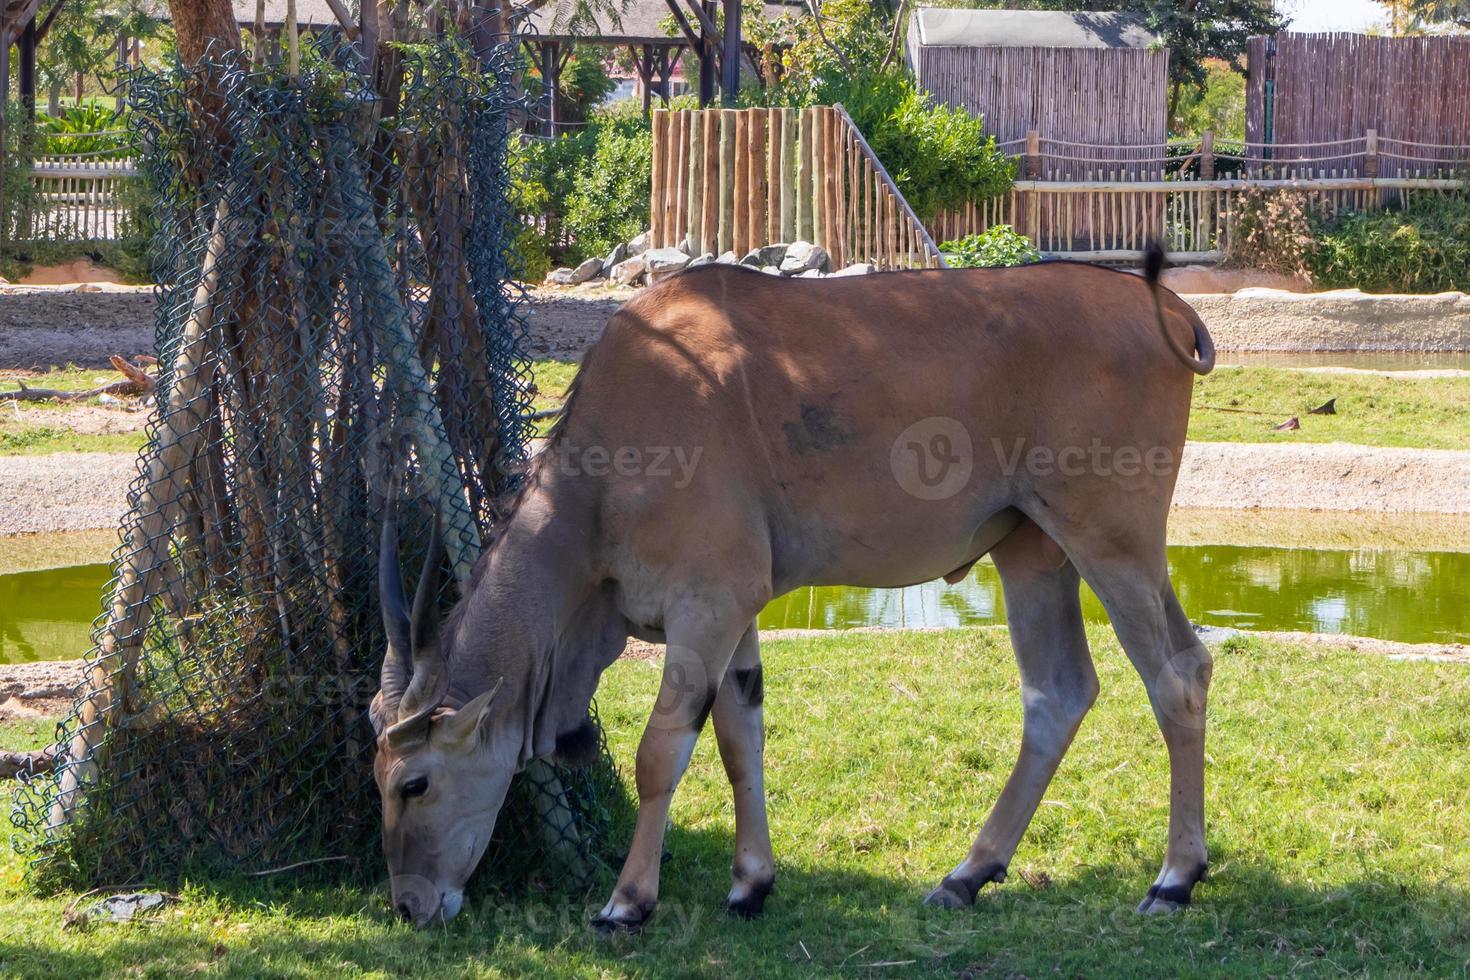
(736, 179)
(79, 198)
(1195, 219)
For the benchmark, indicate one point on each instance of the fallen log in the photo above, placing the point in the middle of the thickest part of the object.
(136, 382)
(13, 764)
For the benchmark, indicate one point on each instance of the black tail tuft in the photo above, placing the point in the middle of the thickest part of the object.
(1153, 261)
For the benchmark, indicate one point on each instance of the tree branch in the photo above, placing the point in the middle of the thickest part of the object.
(814, 6)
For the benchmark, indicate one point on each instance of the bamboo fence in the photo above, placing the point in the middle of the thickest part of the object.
(732, 180)
(1077, 96)
(1314, 96)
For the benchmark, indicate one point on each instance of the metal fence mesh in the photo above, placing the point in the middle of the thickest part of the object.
(336, 318)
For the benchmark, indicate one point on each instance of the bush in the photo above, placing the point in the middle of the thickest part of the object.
(940, 157)
(609, 199)
(999, 245)
(582, 193)
(1273, 231)
(1424, 248)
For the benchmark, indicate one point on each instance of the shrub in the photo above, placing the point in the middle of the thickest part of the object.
(609, 199)
(1423, 248)
(1273, 231)
(582, 193)
(940, 157)
(999, 245)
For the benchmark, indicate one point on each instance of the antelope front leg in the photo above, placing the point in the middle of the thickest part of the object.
(694, 664)
(740, 730)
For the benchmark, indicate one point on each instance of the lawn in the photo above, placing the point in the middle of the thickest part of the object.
(1340, 839)
(1230, 405)
(39, 428)
(1372, 409)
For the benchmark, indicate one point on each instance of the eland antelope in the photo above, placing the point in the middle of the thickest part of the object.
(733, 436)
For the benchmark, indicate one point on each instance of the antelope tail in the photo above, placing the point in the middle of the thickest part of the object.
(1153, 265)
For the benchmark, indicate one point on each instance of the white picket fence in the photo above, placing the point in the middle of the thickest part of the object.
(80, 198)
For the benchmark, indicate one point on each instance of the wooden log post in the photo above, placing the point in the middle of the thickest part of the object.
(756, 209)
(725, 239)
(1031, 162)
(788, 175)
(739, 215)
(710, 218)
(1370, 154)
(695, 182)
(658, 178)
(802, 228)
(1207, 155)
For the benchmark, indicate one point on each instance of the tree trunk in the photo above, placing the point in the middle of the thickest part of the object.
(197, 23)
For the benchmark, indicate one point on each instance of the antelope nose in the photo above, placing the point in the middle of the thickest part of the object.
(406, 909)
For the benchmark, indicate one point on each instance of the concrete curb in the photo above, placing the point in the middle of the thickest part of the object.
(1343, 320)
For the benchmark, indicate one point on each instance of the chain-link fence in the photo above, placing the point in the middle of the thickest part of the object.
(336, 318)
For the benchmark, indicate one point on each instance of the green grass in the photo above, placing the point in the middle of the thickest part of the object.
(1372, 409)
(1339, 832)
(41, 428)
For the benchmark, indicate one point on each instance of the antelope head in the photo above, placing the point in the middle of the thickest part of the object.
(440, 771)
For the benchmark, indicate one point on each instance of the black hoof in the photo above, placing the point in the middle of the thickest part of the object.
(753, 903)
(607, 925)
(1167, 899)
(957, 892)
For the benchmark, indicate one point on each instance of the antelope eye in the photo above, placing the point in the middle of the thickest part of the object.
(415, 787)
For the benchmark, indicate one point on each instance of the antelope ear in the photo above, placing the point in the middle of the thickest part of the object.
(472, 722)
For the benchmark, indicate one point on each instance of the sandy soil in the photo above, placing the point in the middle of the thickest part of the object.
(79, 271)
(1323, 477)
(80, 491)
(63, 491)
(38, 690)
(565, 321)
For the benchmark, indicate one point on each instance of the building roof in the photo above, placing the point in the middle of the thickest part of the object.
(936, 27)
(309, 13)
(637, 22)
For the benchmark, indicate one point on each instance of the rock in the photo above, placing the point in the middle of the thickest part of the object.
(856, 269)
(708, 258)
(641, 244)
(770, 270)
(803, 256)
(664, 262)
(590, 269)
(561, 277)
(687, 246)
(809, 274)
(766, 255)
(629, 272)
(618, 254)
(728, 258)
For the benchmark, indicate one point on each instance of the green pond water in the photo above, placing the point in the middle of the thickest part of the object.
(1412, 596)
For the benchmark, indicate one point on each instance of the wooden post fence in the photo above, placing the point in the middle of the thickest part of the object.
(733, 180)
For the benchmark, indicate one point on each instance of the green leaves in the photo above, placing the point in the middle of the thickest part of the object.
(1424, 248)
(999, 245)
(940, 157)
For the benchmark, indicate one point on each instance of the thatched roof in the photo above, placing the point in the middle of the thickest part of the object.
(637, 23)
(309, 13)
(935, 27)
